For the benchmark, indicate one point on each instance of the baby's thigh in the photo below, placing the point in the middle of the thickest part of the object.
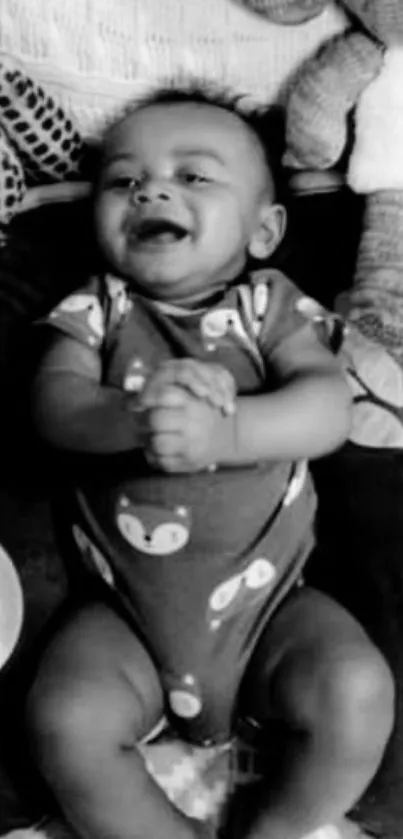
(96, 688)
(315, 666)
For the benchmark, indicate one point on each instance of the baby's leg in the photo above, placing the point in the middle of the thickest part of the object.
(97, 694)
(324, 698)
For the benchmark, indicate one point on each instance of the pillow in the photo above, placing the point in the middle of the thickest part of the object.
(12, 178)
(37, 140)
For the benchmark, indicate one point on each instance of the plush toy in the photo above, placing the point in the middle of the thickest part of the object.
(348, 100)
(346, 104)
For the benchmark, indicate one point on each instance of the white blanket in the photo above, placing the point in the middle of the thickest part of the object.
(94, 55)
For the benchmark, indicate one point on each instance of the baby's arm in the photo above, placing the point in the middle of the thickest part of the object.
(72, 408)
(308, 415)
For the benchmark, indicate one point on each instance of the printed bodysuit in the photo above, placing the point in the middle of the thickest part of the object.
(200, 560)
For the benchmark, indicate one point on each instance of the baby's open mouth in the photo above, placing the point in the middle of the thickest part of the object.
(161, 231)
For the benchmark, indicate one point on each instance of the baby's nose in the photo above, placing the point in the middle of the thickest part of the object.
(148, 193)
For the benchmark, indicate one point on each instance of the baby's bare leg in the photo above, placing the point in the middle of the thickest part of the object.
(320, 686)
(97, 694)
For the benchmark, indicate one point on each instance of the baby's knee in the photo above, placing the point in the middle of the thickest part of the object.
(347, 694)
(361, 697)
(60, 720)
(79, 717)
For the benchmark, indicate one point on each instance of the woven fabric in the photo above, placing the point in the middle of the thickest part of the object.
(93, 56)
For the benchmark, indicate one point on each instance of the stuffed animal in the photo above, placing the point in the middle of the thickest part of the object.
(346, 104)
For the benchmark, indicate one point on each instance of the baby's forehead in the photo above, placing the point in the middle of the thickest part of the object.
(185, 125)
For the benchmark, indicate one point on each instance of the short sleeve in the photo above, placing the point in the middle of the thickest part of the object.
(88, 314)
(284, 310)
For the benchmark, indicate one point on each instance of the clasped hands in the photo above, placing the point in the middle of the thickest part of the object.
(186, 413)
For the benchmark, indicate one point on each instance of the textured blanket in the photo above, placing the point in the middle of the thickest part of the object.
(93, 56)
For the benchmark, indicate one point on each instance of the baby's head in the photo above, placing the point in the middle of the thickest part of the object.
(185, 196)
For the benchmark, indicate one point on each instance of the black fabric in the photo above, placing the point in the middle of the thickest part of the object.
(47, 253)
(44, 254)
(361, 537)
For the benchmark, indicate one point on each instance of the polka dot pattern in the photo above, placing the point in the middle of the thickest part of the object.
(38, 143)
(12, 181)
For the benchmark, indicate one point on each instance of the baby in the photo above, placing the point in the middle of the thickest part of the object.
(200, 387)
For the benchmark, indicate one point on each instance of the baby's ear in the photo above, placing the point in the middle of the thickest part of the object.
(269, 231)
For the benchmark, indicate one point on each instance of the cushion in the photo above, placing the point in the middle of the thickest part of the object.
(37, 141)
(38, 129)
(12, 178)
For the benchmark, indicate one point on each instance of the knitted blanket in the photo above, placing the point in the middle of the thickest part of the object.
(93, 56)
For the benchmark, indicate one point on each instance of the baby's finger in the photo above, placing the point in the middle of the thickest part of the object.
(162, 447)
(165, 463)
(222, 388)
(153, 387)
(226, 388)
(190, 374)
(171, 396)
(182, 372)
(167, 420)
(207, 381)
(165, 444)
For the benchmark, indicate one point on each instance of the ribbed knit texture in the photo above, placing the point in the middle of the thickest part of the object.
(325, 91)
(92, 55)
(375, 301)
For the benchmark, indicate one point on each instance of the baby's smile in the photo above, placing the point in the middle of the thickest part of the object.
(154, 233)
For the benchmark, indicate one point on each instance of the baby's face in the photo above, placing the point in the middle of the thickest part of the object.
(179, 199)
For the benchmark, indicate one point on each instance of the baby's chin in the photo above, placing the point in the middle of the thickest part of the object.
(174, 279)
(155, 273)
(161, 285)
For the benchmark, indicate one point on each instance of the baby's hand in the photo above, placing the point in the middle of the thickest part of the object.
(186, 433)
(207, 381)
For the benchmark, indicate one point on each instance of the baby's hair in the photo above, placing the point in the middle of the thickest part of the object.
(265, 123)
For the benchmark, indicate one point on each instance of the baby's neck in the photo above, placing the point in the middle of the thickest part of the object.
(201, 301)
(198, 301)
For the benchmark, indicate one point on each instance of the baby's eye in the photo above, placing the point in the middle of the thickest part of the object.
(122, 183)
(195, 178)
